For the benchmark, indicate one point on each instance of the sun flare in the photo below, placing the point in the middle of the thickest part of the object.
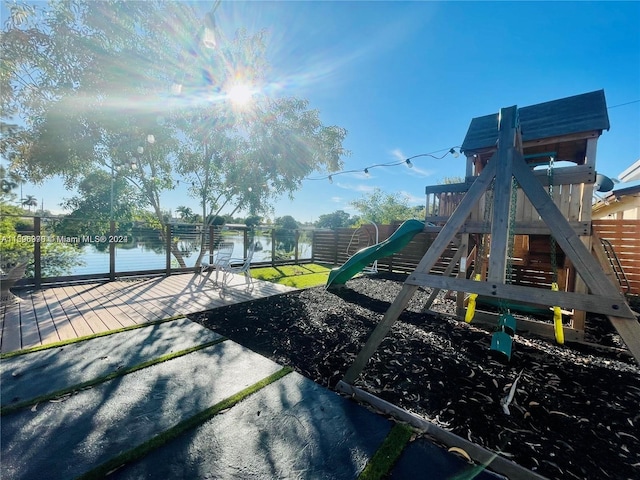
(240, 95)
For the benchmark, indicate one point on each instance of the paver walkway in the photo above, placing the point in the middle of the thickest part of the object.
(259, 421)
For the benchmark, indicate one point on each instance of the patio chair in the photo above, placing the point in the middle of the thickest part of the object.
(240, 266)
(221, 259)
(7, 281)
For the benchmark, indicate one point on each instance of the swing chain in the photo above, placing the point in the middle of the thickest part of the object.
(510, 242)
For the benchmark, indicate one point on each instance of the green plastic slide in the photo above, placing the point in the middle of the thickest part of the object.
(362, 258)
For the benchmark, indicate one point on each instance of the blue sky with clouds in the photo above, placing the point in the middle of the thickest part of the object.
(405, 78)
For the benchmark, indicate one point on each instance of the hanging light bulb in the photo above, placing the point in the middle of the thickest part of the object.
(330, 179)
(454, 153)
(140, 150)
(209, 34)
(408, 162)
(151, 139)
(366, 172)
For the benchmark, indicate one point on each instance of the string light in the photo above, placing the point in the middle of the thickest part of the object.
(406, 161)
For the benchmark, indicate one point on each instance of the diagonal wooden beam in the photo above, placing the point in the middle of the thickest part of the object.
(429, 259)
(585, 264)
(458, 218)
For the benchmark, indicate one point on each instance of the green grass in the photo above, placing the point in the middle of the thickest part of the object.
(386, 456)
(298, 276)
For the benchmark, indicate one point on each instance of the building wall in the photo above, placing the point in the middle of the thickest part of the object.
(627, 208)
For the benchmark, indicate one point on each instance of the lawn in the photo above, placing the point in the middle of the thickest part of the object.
(298, 276)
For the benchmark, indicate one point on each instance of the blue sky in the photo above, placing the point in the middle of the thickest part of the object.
(405, 78)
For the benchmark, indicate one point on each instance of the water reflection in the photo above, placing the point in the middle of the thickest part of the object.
(151, 254)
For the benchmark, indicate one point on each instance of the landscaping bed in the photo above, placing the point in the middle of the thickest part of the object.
(574, 413)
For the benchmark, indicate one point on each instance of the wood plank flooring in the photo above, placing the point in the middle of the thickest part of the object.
(61, 313)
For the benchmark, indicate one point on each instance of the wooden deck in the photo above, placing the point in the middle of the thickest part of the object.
(61, 313)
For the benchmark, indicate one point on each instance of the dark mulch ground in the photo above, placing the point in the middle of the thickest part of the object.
(575, 413)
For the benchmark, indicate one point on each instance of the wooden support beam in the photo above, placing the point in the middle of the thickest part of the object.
(603, 304)
(502, 196)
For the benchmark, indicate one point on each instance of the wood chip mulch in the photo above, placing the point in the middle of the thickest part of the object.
(575, 412)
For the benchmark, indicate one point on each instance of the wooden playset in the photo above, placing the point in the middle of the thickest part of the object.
(523, 229)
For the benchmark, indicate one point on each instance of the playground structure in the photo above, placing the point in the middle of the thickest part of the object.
(511, 209)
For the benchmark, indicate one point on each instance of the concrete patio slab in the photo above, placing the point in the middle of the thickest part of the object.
(69, 438)
(292, 428)
(38, 373)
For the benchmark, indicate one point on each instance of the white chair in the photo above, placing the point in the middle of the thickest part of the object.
(7, 281)
(221, 259)
(240, 266)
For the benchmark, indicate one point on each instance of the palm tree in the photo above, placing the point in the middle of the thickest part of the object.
(185, 212)
(29, 201)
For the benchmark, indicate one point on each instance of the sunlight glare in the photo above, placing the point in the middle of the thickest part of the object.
(240, 95)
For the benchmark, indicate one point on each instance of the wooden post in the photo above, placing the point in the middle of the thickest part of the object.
(502, 196)
(168, 248)
(112, 251)
(296, 256)
(273, 247)
(211, 243)
(37, 253)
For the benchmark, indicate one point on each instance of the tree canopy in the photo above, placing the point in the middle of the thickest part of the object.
(380, 207)
(88, 85)
(337, 219)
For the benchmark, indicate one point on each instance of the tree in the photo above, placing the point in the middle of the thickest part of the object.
(91, 80)
(57, 258)
(337, 219)
(29, 201)
(244, 158)
(100, 198)
(286, 222)
(185, 213)
(380, 207)
(252, 221)
(9, 181)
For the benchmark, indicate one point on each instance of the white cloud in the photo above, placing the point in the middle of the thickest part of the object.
(356, 187)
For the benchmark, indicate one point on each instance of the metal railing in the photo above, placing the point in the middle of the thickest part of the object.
(65, 250)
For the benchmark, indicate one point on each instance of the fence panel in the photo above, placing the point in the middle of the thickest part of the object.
(624, 235)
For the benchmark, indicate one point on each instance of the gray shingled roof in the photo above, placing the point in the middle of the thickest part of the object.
(580, 113)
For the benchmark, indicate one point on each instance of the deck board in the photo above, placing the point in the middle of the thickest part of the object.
(46, 326)
(29, 332)
(65, 312)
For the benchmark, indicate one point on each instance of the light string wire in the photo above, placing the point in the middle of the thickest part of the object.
(406, 161)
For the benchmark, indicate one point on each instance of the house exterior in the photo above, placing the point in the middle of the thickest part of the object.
(622, 203)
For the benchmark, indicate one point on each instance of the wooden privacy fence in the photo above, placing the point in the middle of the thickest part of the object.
(624, 235)
(334, 247)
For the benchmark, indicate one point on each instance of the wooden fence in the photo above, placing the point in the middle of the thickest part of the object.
(334, 247)
(624, 235)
